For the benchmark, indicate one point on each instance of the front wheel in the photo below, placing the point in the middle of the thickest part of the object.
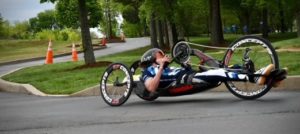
(259, 52)
(116, 84)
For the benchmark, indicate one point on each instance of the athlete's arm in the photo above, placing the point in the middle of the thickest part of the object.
(151, 84)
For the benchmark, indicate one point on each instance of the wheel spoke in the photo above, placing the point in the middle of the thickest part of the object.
(113, 92)
(261, 54)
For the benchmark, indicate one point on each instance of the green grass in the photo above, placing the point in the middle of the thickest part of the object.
(290, 60)
(11, 50)
(290, 43)
(62, 78)
(58, 78)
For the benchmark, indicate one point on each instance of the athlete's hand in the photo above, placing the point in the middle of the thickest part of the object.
(162, 61)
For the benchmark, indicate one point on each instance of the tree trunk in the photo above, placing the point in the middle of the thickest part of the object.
(170, 33)
(145, 27)
(160, 34)
(245, 21)
(216, 24)
(153, 32)
(166, 37)
(109, 26)
(180, 33)
(208, 25)
(89, 57)
(281, 14)
(265, 27)
(174, 34)
(298, 23)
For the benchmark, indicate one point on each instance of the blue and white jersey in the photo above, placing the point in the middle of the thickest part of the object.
(168, 76)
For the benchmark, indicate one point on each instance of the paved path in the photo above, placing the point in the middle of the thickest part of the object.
(131, 43)
(207, 113)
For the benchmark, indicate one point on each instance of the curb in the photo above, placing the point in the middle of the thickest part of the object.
(43, 57)
(292, 83)
(19, 88)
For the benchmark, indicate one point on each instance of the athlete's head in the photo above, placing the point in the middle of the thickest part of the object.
(150, 56)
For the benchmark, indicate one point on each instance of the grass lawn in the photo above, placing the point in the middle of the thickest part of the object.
(22, 49)
(11, 50)
(290, 43)
(64, 78)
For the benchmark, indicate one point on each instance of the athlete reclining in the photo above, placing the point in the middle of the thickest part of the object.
(157, 75)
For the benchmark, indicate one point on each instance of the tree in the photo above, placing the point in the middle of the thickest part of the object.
(216, 23)
(89, 56)
(153, 31)
(21, 30)
(67, 13)
(265, 6)
(133, 25)
(294, 7)
(191, 17)
(243, 10)
(265, 26)
(281, 14)
(108, 14)
(1, 27)
(44, 20)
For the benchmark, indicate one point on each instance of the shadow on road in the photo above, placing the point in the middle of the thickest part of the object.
(213, 101)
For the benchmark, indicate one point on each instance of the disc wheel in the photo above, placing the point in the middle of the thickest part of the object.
(261, 54)
(116, 84)
(135, 70)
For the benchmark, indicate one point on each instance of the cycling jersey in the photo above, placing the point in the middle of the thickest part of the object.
(168, 76)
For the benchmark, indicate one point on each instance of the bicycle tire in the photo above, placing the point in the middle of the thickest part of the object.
(234, 87)
(108, 86)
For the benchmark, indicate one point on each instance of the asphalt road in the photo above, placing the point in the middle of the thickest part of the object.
(208, 113)
(131, 43)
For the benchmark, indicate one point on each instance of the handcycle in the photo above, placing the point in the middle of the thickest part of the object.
(245, 56)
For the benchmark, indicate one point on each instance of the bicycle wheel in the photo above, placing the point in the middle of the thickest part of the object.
(116, 84)
(261, 53)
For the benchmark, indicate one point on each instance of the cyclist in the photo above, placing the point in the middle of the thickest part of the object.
(157, 75)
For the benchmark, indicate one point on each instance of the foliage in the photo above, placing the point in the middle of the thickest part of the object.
(67, 13)
(59, 35)
(132, 30)
(133, 25)
(84, 12)
(5, 29)
(109, 24)
(44, 20)
(20, 30)
(194, 20)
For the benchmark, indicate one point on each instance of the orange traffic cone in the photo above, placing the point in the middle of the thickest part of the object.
(74, 53)
(103, 41)
(49, 56)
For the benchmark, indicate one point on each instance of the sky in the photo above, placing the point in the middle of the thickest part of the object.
(20, 10)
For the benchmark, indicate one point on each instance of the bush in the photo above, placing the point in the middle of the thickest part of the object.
(59, 35)
(132, 30)
(73, 35)
(45, 35)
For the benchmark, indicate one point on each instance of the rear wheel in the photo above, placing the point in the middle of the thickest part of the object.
(116, 84)
(261, 53)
